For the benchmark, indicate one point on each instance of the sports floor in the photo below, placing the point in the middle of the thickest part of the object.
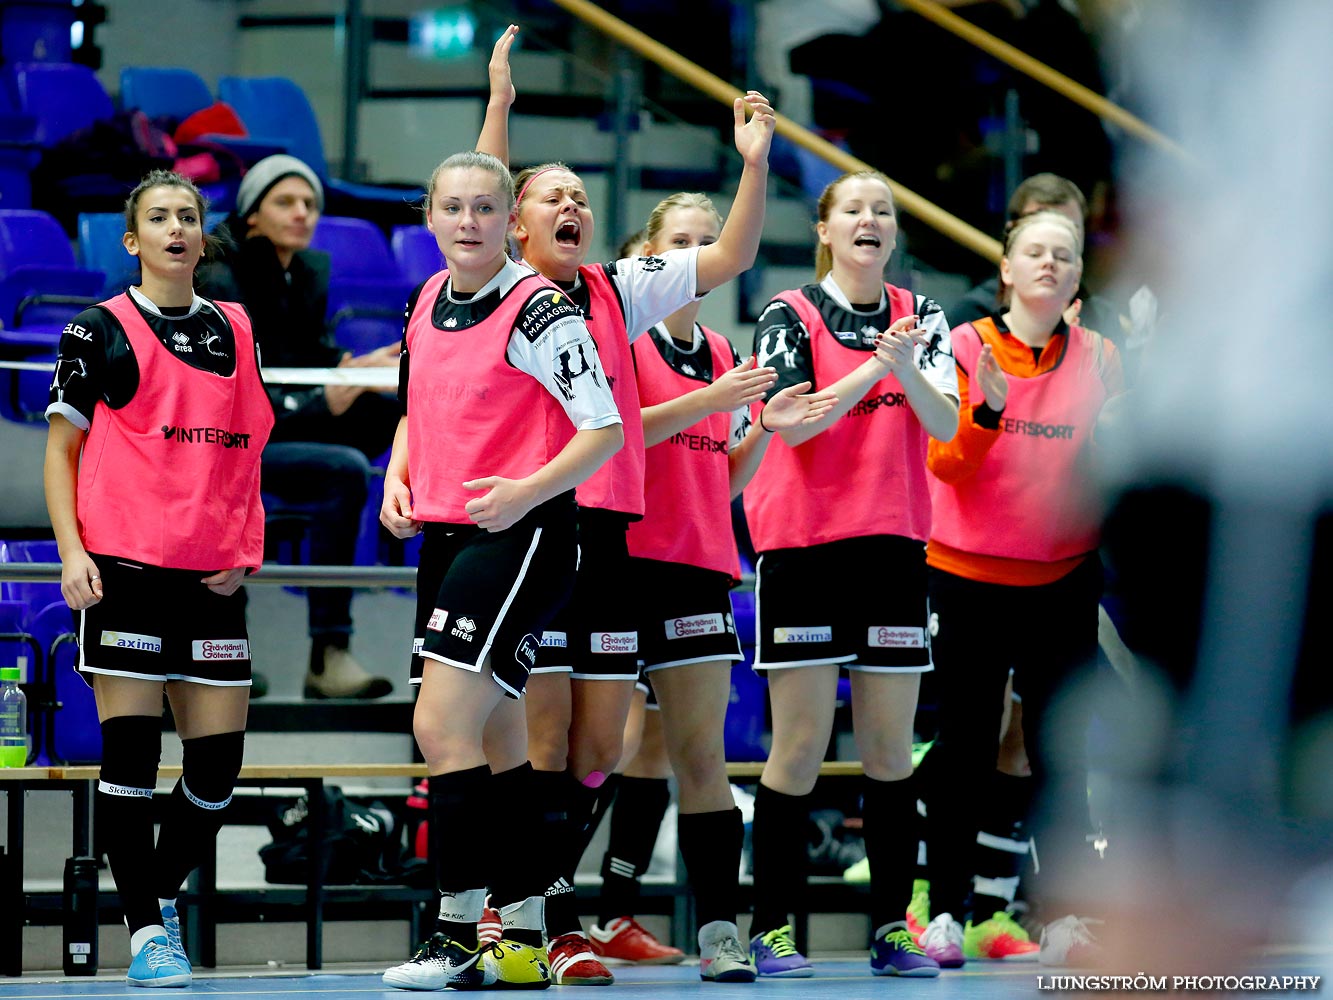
(845, 978)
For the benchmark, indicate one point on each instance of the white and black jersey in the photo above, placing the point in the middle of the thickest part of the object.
(550, 342)
(782, 341)
(696, 362)
(96, 362)
(649, 289)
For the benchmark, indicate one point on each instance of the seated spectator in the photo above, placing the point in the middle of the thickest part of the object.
(319, 456)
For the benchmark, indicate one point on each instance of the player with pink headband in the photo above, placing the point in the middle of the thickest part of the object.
(588, 664)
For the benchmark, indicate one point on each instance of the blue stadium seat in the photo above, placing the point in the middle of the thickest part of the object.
(357, 249)
(18, 153)
(75, 736)
(36, 30)
(367, 291)
(40, 281)
(41, 289)
(169, 95)
(61, 97)
(275, 109)
(417, 253)
(101, 249)
(71, 733)
(163, 91)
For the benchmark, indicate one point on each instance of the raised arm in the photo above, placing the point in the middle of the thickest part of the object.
(494, 138)
(738, 243)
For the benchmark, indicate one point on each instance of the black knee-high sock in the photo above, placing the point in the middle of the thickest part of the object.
(459, 830)
(710, 843)
(605, 796)
(923, 781)
(516, 813)
(1002, 845)
(780, 856)
(131, 752)
(195, 814)
(567, 805)
(636, 819)
(889, 810)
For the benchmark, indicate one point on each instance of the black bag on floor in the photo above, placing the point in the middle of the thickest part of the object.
(365, 845)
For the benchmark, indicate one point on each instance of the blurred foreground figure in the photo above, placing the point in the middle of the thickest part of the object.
(1222, 483)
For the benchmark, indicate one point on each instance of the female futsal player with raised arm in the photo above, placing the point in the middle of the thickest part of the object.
(575, 726)
(157, 419)
(494, 495)
(1014, 540)
(844, 501)
(702, 448)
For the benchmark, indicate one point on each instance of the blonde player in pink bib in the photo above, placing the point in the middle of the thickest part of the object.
(703, 446)
(845, 501)
(1015, 578)
(588, 664)
(492, 442)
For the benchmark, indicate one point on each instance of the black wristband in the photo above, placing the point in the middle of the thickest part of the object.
(763, 425)
(984, 416)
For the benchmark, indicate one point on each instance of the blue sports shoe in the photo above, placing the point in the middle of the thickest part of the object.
(157, 965)
(774, 955)
(171, 920)
(894, 953)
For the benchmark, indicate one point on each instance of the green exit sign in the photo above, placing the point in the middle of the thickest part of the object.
(442, 34)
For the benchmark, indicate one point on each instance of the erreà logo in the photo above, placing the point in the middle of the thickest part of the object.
(182, 343)
(463, 628)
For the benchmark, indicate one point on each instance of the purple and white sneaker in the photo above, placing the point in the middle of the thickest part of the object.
(894, 953)
(942, 940)
(774, 955)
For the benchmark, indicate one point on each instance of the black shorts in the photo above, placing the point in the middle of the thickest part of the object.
(159, 624)
(482, 593)
(646, 686)
(684, 615)
(859, 602)
(596, 635)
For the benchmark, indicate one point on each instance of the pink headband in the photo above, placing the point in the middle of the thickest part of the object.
(528, 183)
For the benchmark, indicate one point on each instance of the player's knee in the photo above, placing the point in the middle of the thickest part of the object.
(210, 764)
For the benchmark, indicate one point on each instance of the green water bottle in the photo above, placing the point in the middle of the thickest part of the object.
(13, 720)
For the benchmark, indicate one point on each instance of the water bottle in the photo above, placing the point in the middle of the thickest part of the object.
(80, 909)
(13, 720)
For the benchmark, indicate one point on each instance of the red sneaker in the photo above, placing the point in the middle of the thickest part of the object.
(489, 928)
(574, 964)
(625, 939)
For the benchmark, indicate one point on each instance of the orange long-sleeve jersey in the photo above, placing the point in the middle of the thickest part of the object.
(955, 460)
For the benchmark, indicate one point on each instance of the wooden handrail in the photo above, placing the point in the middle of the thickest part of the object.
(696, 76)
(933, 11)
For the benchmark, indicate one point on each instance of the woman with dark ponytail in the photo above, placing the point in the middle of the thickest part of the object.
(157, 419)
